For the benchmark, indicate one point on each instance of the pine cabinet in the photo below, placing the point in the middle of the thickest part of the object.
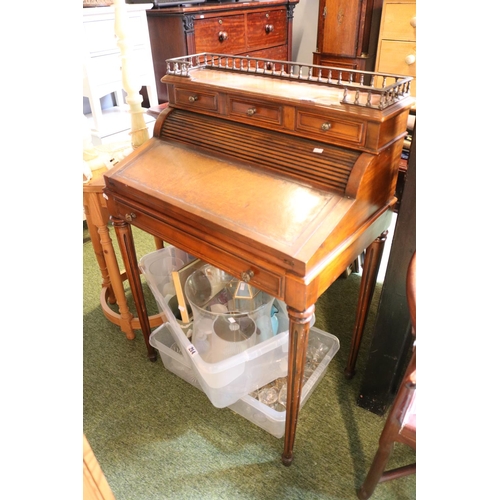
(347, 33)
(397, 45)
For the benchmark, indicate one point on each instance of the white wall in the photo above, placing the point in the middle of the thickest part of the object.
(305, 29)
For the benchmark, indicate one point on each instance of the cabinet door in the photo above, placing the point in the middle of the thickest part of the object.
(339, 20)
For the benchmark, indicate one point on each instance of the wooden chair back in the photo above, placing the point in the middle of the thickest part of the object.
(401, 422)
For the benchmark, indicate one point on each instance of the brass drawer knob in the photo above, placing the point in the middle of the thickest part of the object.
(193, 98)
(251, 111)
(130, 217)
(326, 126)
(222, 36)
(413, 22)
(247, 275)
(269, 28)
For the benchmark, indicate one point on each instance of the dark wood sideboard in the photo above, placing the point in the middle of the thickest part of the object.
(254, 28)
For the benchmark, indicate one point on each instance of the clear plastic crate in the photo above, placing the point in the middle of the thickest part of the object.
(249, 407)
(227, 380)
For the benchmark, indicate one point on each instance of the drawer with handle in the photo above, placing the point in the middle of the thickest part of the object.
(266, 29)
(331, 129)
(399, 22)
(254, 111)
(224, 35)
(196, 100)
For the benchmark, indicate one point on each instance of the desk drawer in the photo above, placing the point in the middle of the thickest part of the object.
(195, 243)
(262, 278)
(254, 111)
(330, 129)
(225, 35)
(266, 29)
(196, 100)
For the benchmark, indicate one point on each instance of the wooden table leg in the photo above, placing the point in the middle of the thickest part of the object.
(116, 292)
(298, 339)
(126, 243)
(371, 266)
(98, 251)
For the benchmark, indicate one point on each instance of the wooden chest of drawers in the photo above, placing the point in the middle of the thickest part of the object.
(397, 46)
(255, 28)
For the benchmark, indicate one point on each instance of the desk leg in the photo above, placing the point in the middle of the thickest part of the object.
(126, 242)
(298, 338)
(371, 266)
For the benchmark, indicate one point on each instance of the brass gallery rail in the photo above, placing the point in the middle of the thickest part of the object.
(361, 88)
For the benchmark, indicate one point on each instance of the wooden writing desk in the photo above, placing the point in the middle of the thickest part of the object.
(280, 180)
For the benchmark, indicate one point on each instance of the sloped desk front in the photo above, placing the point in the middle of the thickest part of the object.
(228, 192)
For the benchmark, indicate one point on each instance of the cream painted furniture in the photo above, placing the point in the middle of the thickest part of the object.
(397, 44)
(102, 63)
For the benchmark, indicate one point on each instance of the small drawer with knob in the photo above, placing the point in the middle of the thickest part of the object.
(331, 129)
(399, 22)
(266, 29)
(257, 276)
(224, 34)
(398, 57)
(255, 112)
(191, 99)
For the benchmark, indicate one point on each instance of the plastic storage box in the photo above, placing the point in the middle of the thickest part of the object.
(157, 267)
(273, 421)
(227, 380)
(229, 315)
(249, 407)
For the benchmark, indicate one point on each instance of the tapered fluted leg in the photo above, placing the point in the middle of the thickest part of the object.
(127, 248)
(298, 338)
(373, 257)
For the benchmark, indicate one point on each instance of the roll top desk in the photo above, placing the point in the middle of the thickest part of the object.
(273, 171)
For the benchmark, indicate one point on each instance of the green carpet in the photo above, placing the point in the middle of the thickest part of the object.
(157, 437)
